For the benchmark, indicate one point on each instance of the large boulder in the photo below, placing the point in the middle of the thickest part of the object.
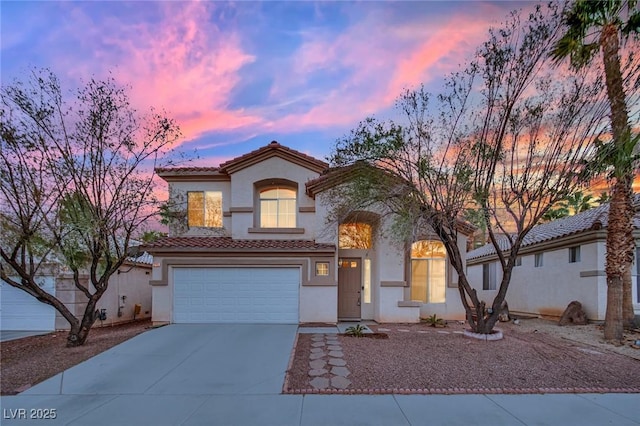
(573, 315)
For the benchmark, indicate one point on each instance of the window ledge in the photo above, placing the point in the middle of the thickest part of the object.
(409, 304)
(276, 230)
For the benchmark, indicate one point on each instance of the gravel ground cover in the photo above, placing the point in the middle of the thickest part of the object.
(29, 361)
(536, 356)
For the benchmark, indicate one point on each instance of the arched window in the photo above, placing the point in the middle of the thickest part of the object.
(278, 207)
(355, 235)
(428, 271)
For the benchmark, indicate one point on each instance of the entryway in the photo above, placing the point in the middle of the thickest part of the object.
(349, 288)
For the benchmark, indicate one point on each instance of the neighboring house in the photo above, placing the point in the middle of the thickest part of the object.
(128, 287)
(559, 262)
(250, 241)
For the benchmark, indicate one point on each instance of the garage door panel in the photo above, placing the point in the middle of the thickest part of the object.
(249, 295)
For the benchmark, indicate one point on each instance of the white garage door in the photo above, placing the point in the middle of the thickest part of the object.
(236, 295)
(21, 311)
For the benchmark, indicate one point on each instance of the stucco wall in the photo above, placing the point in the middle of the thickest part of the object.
(243, 196)
(133, 284)
(547, 290)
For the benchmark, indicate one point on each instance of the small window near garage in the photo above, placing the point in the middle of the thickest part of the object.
(519, 261)
(489, 276)
(538, 260)
(574, 254)
(322, 269)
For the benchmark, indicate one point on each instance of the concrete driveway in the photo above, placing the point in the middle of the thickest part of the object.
(233, 375)
(6, 335)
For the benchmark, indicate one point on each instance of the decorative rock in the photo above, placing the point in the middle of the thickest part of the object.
(423, 331)
(442, 332)
(337, 362)
(316, 355)
(336, 354)
(503, 316)
(403, 330)
(318, 363)
(339, 382)
(340, 371)
(318, 372)
(458, 332)
(331, 337)
(574, 315)
(320, 383)
(384, 329)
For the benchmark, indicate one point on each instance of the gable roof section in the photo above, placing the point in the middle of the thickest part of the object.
(228, 244)
(591, 220)
(274, 149)
(332, 177)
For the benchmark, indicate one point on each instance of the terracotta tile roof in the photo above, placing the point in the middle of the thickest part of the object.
(186, 169)
(593, 219)
(266, 151)
(230, 244)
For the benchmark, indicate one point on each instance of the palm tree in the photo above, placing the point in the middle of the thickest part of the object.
(593, 26)
(579, 202)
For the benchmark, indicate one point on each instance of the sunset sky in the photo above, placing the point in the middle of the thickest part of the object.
(237, 75)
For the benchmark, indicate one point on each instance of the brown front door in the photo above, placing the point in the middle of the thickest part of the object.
(349, 283)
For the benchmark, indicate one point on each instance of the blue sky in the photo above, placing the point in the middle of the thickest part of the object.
(237, 75)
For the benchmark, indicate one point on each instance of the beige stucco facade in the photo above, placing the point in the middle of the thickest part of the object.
(241, 243)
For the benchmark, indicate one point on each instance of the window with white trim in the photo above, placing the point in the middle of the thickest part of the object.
(538, 260)
(428, 271)
(574, 254)
(278, 208)
(489, 279)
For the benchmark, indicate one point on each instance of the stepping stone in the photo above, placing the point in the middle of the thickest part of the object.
(336, 354)
(317, 339)
(334, 348)
(316, 355)
(337, 362)
(384, 329)
(320, 383)
(403, 330)
(318, 372)
(423, 331)
(443, 332)
(340, 371)
(318, 363)
(331, 337)
(315, 350)
(339, 382)
(459, 332)
(317, 344)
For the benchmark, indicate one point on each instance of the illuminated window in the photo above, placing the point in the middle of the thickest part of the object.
(204, 208)
(278, 208)
(428, 271)
(322, 269)
(354, 236)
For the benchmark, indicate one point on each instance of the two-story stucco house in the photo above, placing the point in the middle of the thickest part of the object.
(250, 242)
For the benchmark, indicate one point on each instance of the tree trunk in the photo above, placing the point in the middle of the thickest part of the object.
(620, 228)
(616, 262)
(628, 315)
(80, 331)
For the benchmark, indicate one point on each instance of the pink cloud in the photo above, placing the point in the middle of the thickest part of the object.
(182, 63)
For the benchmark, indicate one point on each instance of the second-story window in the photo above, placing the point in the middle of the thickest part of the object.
(204, 208)
(278, 208)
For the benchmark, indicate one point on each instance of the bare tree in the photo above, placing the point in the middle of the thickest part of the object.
(76, 183)
(506, 137)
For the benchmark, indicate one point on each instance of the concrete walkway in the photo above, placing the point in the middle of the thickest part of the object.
(233, 375)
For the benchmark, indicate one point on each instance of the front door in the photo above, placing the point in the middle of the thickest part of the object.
(349, 284)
